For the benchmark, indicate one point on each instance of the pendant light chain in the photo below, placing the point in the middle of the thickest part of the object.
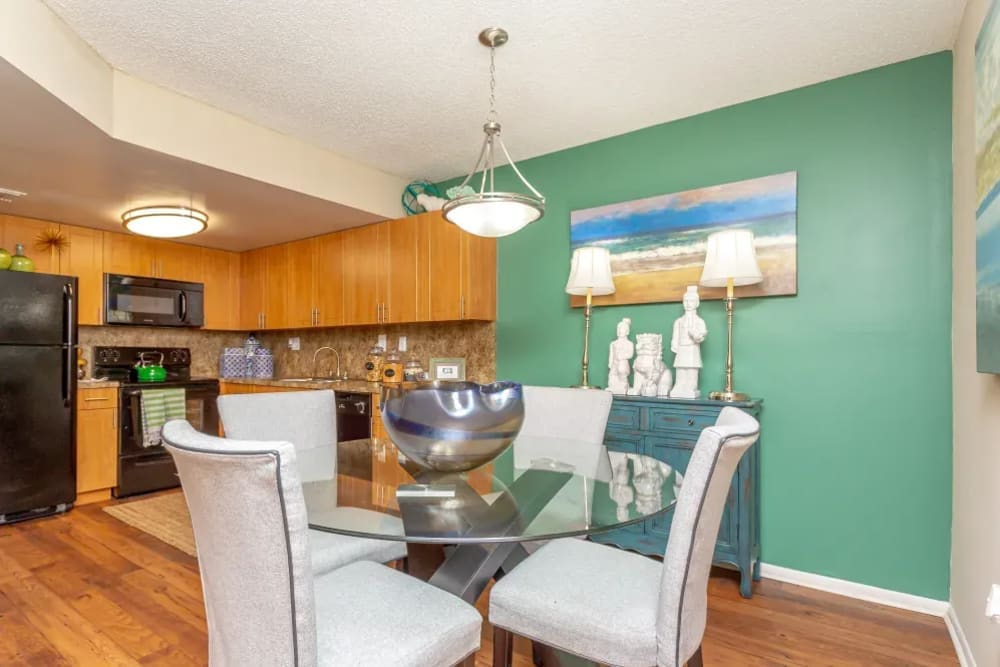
(493, 84)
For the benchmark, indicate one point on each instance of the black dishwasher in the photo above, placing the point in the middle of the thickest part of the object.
(354, 416)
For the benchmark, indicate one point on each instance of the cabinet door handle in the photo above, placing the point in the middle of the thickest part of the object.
(114, 419)
(461, 307)
(104, 398)
(385, 312)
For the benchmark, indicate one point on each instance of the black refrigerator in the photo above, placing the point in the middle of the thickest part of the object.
(38, 341)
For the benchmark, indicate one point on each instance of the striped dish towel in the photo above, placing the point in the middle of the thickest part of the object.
(158, 407)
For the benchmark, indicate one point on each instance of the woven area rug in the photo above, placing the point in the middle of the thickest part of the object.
(165, 517)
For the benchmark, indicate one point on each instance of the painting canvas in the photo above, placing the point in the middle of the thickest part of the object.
(657, 245)
(987, 189)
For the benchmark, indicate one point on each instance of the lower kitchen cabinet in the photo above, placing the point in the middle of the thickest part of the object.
(96, 444)
(667, 430)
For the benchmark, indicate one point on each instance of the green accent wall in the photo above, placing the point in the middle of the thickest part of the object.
(855, 369)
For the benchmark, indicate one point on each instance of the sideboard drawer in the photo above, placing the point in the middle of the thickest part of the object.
(672, 419)
(625, 417)
(623, 442)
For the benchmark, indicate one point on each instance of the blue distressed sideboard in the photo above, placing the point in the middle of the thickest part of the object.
(667, 430)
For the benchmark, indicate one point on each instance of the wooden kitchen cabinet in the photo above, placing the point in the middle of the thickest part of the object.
(221, 274)
(129, 255)
(300, 274)
(363, 263)
(252, 285)
(177, 261)
(14, 230)
(329, 280)
(84, 258)
(96, 444)
(404, 244)
(276, 293)
(461, 276)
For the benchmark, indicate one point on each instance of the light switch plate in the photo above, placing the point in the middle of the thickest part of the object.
(382, 341)
(402, 344)
(294, 344)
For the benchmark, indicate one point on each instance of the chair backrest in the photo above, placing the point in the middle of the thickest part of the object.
(693, 533)
(250, 527)
(557, 416)
(307, 419)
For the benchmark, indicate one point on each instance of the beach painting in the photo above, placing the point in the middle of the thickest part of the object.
(987, 190)
(657, 244)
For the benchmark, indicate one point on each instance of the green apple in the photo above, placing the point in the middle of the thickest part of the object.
(4, 259)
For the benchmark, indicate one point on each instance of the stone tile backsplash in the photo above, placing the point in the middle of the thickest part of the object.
(476, 341)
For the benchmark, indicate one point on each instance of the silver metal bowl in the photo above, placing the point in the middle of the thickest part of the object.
(453, 426)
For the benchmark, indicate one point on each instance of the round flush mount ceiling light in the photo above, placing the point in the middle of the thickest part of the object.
(165, 222)
(488, 212)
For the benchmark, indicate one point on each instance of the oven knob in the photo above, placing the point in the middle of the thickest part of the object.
(115, 356)
(175, 356)
(103, 356)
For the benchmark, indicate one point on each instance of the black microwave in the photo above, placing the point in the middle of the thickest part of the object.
(153, 302)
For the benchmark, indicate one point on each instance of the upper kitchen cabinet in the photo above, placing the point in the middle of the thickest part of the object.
(26, 231)
(221, 274)
(84, 258)
(128, 254)
(300, 263)
(253, 267)
(329, 280)
(364, 263)
(176, 261)
(461, 275)
(403, 289)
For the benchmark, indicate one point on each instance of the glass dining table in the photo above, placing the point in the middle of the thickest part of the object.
(464, 529)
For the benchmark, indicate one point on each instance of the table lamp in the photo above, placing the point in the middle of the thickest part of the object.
(730, 261)
(589, 275)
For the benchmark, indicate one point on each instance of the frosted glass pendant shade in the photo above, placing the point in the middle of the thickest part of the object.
(492, 214)
(590, 268)
(731, 255)
(165, 222)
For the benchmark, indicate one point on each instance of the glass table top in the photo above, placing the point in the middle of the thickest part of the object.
(538, 489)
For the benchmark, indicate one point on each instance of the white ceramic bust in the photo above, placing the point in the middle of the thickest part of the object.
(651, 377)
(620, 358)
(685, 343)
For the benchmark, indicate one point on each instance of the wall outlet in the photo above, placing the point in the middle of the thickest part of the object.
(294, 344)
(382, 341)
(993, 604)
(402, 344)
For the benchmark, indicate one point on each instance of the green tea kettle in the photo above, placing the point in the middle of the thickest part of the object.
(147, 371)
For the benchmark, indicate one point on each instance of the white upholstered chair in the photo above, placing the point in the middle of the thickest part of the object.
(620, 608)
(264, 605)
(308, 420)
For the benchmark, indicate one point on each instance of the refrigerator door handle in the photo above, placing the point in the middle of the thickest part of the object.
(69, 362)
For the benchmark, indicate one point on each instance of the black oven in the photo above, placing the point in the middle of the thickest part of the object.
(153, 302)
(142, 469)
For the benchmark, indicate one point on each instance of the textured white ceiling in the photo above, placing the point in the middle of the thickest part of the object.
(402, 86)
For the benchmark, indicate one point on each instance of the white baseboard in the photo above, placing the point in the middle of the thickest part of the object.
(965, 657)
(858, 591)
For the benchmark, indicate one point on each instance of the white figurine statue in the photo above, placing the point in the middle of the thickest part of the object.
(620, 358)
(685, 343)
(651, 377)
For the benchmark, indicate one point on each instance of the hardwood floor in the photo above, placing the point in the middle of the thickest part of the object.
(86, 589)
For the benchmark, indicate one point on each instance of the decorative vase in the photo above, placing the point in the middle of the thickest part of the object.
(4, 259)
(19, 262)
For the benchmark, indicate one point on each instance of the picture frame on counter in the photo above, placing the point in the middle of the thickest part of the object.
(448, 368)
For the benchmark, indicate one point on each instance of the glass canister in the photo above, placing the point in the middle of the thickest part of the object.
(373, 364)
(413, 371)
(392, 369)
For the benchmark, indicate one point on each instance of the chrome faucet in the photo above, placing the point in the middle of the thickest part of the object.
(316, 354)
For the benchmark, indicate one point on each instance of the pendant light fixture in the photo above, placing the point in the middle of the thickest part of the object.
(165, 222)
(488, 212)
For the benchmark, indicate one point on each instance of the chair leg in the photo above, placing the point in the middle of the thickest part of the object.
(503, 647)
(695, 660)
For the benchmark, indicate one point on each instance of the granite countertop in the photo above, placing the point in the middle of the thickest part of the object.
(358, 386)
(91, 383)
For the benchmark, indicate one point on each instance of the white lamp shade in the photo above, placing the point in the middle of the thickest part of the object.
(491, 216)
(731, 255)
(590, 268)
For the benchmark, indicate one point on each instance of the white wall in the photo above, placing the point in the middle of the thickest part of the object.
(975, 551)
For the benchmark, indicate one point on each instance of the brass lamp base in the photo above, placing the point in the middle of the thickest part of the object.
(585, 386)
(730, 396)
